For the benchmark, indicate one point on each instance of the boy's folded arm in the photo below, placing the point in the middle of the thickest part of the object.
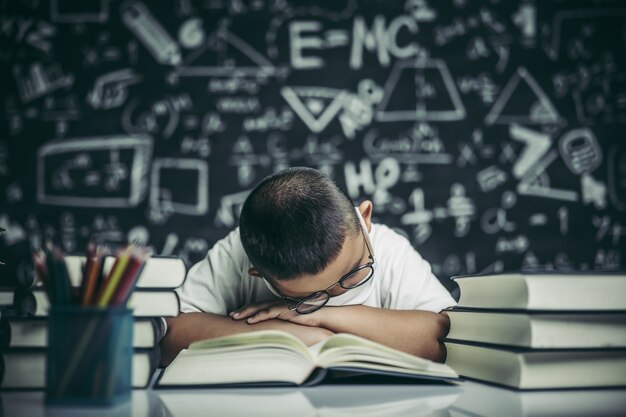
(413, 331)
(189, 327)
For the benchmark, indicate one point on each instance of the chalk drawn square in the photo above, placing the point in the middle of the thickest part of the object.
(180, 186)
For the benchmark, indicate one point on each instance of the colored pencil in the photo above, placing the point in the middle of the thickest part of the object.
(113, 279)
(61, 282)
(130, 277)
(95, 290)
(92, 277)
(90, 258)
(41, 270)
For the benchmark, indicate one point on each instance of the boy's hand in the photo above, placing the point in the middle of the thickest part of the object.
(256, 313)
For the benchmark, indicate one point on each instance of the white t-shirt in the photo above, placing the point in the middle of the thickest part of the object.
(402, 280)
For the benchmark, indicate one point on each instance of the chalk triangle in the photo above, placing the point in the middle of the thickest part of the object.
(224, 53)
(316, 106)
(523, 101)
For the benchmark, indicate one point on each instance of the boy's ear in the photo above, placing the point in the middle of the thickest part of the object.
(366, 208)
(254, 272)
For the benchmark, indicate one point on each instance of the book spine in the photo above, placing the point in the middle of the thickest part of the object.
(36, 376)
(27, 304)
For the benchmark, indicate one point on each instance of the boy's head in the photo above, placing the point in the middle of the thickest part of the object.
(298, 226)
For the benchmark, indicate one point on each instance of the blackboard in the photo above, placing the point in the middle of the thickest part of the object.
(489, 133)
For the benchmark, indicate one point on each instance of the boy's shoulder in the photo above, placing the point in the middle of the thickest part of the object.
(230, 246)
(392, 248)
(384, 238)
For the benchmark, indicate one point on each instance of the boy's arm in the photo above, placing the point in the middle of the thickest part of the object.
(189, 327)
(416, 332)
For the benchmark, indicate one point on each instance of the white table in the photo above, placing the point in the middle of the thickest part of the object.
(468, 399)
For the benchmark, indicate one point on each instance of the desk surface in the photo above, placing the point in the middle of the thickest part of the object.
(468, 399)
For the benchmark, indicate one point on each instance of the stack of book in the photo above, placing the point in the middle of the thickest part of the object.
(17, 274)
(16, 267)
(23, 320)
(540, 330)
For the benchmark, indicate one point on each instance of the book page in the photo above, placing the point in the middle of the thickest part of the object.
(264, 356)
(253, 340)
(346, 350)
(222, 367)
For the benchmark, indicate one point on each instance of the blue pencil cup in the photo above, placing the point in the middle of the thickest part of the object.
(89, 358)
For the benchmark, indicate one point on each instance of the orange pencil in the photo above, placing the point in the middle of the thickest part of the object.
(91, 277)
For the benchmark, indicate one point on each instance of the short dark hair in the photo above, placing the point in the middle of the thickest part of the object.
(295, 222)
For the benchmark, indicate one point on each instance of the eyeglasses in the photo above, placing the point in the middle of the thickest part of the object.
(353, 279)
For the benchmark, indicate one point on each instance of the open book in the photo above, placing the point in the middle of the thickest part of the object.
(271, 357)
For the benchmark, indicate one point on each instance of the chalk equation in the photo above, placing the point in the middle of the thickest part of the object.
(103, 171)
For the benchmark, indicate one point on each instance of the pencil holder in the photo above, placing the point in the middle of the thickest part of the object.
(89, 359)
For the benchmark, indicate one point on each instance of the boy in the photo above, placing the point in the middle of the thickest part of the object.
(306, 261)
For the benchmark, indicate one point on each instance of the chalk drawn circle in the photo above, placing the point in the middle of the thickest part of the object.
(191, 34)
(138, 235)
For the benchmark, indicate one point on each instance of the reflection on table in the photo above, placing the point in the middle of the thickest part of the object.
(468, 399)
